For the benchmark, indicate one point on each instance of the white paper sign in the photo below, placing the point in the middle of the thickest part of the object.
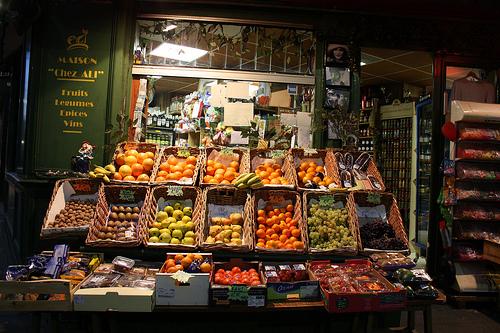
(238, 90)
(237, 139)
(218, 98)
(238, 114)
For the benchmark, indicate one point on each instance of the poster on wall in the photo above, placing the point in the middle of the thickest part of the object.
(73, 83)
(337, 99)
(337, 76)
(337, 55)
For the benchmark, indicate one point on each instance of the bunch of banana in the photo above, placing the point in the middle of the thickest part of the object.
(103, 172)
(248, 180)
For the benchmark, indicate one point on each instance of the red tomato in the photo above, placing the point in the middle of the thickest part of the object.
(255, 283)
(225, 281)
(251, 270)
(218, 280)
(235, 270)
(221, 271)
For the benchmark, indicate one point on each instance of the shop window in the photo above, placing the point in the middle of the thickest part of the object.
(224, 46)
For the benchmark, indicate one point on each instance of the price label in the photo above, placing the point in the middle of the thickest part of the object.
(127, 195)
(277, 154)
(256, 301)
(326, 201)
(183, 153)
(226, 151)
(310, 151)
(238, 293)
(373, 198)
(175, 191)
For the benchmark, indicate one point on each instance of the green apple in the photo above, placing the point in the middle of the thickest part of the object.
(188, 211)
(165, 237)
(165, 230)
(190, 225)
(188, 241)
(154, 239)
(154, 232)
(161, 215)
(186, 219)
(178, 206)
(177, 234)
(172, 226)
(178, 214)
(171, 220)
(169, 210)
(175, 241)
(189, 234)
(157, 225)
(164, 224)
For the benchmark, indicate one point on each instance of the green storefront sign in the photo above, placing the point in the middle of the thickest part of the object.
(73, 88)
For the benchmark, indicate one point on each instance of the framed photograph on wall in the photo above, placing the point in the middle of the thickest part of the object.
(337, 98)
(337, 76)
(337, 55)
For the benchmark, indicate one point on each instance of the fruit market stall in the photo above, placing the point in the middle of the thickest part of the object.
(225, 230)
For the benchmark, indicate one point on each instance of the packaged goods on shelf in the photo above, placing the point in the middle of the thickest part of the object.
(121, 286)
(71, 208)
(289, 281)
(329, 229)
(172, 218)
(356, 287)
(184, 279)
(357, 169)
(473, 211)
(177, 165)
(391, 261)
(478, 151)
(475, 171)
(119, 214)
(277, 221)
(226, 216)
(479, 132)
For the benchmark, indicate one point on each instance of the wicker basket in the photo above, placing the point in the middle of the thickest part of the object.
(279, 198)
(113, 195)
(172, 193)
(178, 153)
(259, 156)
(307, 198)
(141, 147)
(228, 196)
(371, 170)
(361, 198)
(64, 190)
(320, 156)
(214, 153)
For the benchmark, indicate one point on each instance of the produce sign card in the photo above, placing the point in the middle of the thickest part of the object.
(238, 293)
(175, 191)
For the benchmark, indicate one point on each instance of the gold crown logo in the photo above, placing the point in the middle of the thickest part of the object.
(78, 41)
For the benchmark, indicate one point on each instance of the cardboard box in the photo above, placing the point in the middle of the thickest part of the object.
(299, 290)
(238, 294)
(171, 292)
(123, 299)
(394, 299)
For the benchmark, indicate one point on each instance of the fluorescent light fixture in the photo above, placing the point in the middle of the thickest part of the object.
(170, 27)
(363, 63)
(212, 83)
(178, 52)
